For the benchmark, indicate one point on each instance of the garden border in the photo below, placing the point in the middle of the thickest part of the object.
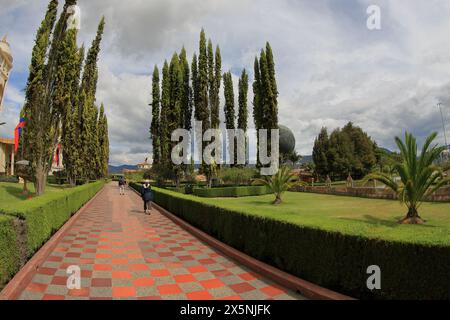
(287, 280)
(21, 279)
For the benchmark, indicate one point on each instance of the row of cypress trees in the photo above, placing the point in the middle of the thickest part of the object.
(194, 91)
(60, 104)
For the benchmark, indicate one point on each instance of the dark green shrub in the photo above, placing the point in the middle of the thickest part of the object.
(237, 176)
(11, 179)
(44, 215)
(231, 192)
(9, 251)
(330, 259)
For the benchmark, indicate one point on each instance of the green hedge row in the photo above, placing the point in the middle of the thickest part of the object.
(231, 192)
(25, 229)
(9, 251)
(330, 259)
(44, 215)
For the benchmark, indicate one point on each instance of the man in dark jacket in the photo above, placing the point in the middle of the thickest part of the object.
(122, 184)
(147, 196)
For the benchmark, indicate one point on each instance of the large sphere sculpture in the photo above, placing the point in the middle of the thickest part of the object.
(287, 140)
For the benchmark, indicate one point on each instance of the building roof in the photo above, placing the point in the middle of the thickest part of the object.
(5, 49)
(6, 141)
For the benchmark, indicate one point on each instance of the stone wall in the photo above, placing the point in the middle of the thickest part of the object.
(442, 195)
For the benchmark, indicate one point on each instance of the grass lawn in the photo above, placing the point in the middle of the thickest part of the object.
(11, 194)
(350, 215)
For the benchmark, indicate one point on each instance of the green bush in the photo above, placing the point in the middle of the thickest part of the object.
(44, 215)
(237, 176)
(228, 192)
(12, 179)
(9, 251)
(330, 259)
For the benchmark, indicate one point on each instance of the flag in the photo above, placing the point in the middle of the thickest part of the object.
(17, 133)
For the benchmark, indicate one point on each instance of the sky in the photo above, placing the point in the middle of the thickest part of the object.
(330, 67)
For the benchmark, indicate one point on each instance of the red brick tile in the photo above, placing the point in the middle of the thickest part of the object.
(82, 292)
(121, 275)
(197, 269)
(103, 256)
(248, 276)
(47, 271)
(53, 297)
(199, 295)
(272, 291)
(120, 261)
(144, 282)
(242, 287)
(211, 284)
(37, 287)
(160, 273)
(138, 267)
(168, 289)
(102, 267)
(222, 273)
(184, 278)
(101, 282)
(60, 281)
(231, 298)
(124, 292)
(207, 261)
(73, 255)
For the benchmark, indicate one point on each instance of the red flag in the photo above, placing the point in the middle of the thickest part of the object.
(17, 132)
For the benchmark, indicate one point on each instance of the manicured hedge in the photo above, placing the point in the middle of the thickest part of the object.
(231, 192)
(330, 259)
(9, 251)
(44, 215)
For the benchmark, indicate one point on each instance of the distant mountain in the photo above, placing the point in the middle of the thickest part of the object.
(119, 169)
(306, 159)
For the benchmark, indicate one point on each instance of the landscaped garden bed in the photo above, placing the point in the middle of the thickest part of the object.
(331, 240)
(26, 223)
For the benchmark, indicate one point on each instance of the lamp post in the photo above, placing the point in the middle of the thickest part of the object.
(443, 124)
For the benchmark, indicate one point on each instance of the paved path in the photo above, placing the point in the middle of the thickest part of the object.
(124, 254)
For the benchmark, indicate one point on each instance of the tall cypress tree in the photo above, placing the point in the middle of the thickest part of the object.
(65, 101)
(38, 138)
(194, 81)
(165, 106)
(243, 94)
(186, 94)
(203, 107)
(174, 116)
(103, 142)
(257, 105)
(154, 129)
(229, 108)
(212, 87)
(88, 109)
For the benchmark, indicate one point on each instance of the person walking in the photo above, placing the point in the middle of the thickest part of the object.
(122, 184)
(147, 196)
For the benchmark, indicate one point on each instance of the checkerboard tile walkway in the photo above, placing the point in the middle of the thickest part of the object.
(124, 254)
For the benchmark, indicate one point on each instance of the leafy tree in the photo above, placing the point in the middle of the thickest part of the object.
(320, 152)
(155, 129)
(41, 122)
(420, 176)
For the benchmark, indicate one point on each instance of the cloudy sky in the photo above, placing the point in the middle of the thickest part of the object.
(331, 68)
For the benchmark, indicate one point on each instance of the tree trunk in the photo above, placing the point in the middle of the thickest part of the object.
(41, 179)
(25, 188)
(412, 217)
(277, 200)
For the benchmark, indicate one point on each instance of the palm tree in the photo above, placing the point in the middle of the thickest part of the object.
(420, 176)
(279, 183)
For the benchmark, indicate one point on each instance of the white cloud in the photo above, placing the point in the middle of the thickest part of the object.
(330, 68)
